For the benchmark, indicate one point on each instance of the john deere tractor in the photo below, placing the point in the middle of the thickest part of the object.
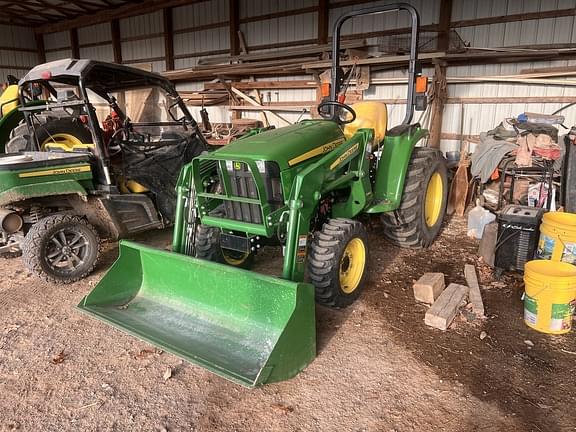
(304, 188)
(98, 159)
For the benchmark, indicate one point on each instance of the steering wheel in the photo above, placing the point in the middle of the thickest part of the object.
(341, 106)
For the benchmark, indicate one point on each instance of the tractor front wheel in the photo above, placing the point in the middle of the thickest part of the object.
(61, 248)
(337, 262)
(208, 247)
(418, 220)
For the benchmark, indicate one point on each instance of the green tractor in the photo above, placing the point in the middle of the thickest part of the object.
(85, 171)
(304, 188)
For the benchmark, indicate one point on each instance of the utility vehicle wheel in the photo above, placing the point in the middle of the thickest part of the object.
(61, 248)
(418, 220)
(337, 262)
(208, 248)
(64, 131)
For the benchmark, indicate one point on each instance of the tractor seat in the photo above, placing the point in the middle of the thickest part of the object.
(8, 100)
(369, 115)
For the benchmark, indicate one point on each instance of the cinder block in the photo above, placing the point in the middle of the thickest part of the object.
(429, 287)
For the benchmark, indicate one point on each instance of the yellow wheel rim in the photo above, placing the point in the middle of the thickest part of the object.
(352, 265)
(433, 199)
(234, 258)
(63, 140)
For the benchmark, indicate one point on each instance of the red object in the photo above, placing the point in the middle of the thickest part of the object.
(325, 89)
(341, 98)
(84, 118)
(46, 75)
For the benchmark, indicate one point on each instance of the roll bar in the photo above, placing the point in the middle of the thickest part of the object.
(396, 7)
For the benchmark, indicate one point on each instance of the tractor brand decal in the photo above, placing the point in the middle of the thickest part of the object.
(345, 156)
(324, 148)
(57, 171)
(237, 166)
(301, 252)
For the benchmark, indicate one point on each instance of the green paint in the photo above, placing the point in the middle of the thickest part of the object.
(249, 328)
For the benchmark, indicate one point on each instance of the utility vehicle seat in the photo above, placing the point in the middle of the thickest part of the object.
(8, 100)
(369, 115)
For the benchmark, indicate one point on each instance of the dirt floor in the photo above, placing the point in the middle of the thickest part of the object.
(379, 368)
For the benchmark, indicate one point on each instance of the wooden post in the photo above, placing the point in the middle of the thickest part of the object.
(439, 95)
(168, 38)
(444, 25)
(41, 51)
(323, 18)
(116, 44)
(234, 19)
(75, 47)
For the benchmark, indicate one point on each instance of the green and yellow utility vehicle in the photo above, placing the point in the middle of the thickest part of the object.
(303, 188)
(88, 168)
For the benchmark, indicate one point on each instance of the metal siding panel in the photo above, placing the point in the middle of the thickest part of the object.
(57, 40)
(141, 25)
(94, 33)
(102, 53)
(143, 49)
(200, 14)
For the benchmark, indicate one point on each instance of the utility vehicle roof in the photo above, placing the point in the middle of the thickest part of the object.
(96, 75)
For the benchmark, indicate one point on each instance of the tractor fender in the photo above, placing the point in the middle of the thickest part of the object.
(31, 191)
(8, 122)
(392, 168)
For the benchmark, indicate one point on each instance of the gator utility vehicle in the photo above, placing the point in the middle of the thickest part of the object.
(304, 188)
(82, 178)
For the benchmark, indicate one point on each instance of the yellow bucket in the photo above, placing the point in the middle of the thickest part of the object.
(558, 237)
(550, 296)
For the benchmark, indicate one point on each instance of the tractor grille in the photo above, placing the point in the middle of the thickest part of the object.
(243, 185)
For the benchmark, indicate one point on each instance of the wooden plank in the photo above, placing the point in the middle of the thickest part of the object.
(440, 92)
(474, 295)
(263, 85)
(373, 60)
(253, 102)
(445, 308)
(429, 287)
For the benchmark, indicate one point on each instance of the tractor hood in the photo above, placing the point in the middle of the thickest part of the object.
(287, 146)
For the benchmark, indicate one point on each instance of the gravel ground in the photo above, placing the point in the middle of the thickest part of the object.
(379, 368)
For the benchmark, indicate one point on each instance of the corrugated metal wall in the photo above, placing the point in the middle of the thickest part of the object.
(192, 42)
(19, 53)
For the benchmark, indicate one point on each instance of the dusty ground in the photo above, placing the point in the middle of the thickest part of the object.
(379, 367)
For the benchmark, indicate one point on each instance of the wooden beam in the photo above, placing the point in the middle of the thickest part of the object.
(40, 48)
(256, 104)
(444, 25)
(440, 93)
(323, 18)
(109, 14)
(74, 43)
(555, 13)
(263, 85)
(116, 44)
(234, 26)
(168, 38)
(281, 14)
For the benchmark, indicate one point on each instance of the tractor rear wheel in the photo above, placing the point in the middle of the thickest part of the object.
(337, 262)
(61, 248)
(208, 247)
(417, 222)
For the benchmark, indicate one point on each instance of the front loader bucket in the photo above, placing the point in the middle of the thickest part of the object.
(247, 327)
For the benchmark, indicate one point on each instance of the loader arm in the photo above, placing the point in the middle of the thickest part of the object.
(316, 180)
